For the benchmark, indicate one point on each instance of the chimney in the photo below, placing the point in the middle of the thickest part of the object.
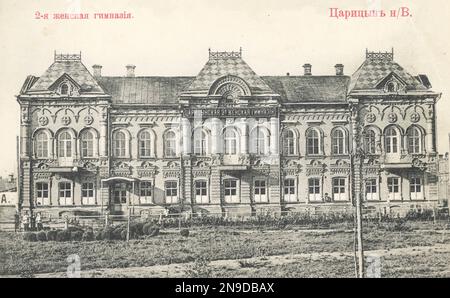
(130, 70)
(339, 69)
(288, 74)
(11, 178)
(97, 70)
(307, 68)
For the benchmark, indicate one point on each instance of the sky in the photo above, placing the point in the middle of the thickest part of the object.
(171, 38)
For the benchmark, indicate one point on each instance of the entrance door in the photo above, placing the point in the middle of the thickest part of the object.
(119, 194)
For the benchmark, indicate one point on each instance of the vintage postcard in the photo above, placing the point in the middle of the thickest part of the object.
(225, 139)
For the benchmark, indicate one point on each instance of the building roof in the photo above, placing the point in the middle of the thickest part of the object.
(377, 67)
(144, 90)
(221, 64)
(309, 88)
(72, 67)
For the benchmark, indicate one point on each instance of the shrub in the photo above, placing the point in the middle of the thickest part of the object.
(199, 269)
(99, 235)
(153, 231)
(117, 233)
(184, 232)
(51, 235)
(123, 235)
(29, 236)
(41, 236)
(136, 229)
(63, 235)
(107, 234)
(76, 235)
(145, 228)
(88, 235)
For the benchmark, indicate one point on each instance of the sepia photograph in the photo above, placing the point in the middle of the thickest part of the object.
(227, 141)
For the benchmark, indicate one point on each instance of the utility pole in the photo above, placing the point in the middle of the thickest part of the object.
(359, 237)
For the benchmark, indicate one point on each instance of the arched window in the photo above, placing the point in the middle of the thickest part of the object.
(64, 89)
(312, 142)
(65, 144)
(170, 144)
(414, 140)
(199, 143)
(145, 143)
(370, 141)
(288, 142)
(230, 142)
(258, 138)
(41, 145)
(87, 144)
(391, 140)
(338, 141)
(119, 144)
(392, 87)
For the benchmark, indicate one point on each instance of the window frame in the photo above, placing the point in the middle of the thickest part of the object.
(228, 187)
(66, 200)
(88, 194)
(311, 140)
(39, 147)
(260, 193)
(202, 141)
(230, 142)
(290, 196)
(145, 144)
(414, 141)
(41, 199)
(416, 195)
(65, 145)
(338, 143)
(146, 193)
(392, 142)
(394, 195)
(371, 196)
(84, 149)
(336, 184)
(314, 196)
(170, 144)
(202, 198)
(370, 146)
(120, 146)
(169, 187)
(289, 143)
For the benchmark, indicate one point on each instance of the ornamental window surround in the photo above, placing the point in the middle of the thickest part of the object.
(289, 142)
(313, 141)
(338, 141)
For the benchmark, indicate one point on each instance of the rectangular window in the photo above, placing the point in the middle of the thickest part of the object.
(201, 192)
(231, 191)
(339, 192)
(171, 192)
(42, 194)
(145, 192)
(87, 193)
(394, 188)
(372, 189)
(65, 193)
(289, 190)
(260, 191)
(415, 186)
(314, 189)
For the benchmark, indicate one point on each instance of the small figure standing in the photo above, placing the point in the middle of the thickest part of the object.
(25, 221)
(16, 221)
(38, 221)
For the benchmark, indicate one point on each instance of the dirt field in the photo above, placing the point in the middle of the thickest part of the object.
(234, 252)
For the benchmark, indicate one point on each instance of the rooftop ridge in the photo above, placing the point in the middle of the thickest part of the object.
(380, 55)
(67, 57)
(225, 54)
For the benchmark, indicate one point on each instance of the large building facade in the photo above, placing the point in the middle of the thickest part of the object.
(227, 141)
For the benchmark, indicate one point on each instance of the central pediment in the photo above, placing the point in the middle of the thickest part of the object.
(227, 74)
